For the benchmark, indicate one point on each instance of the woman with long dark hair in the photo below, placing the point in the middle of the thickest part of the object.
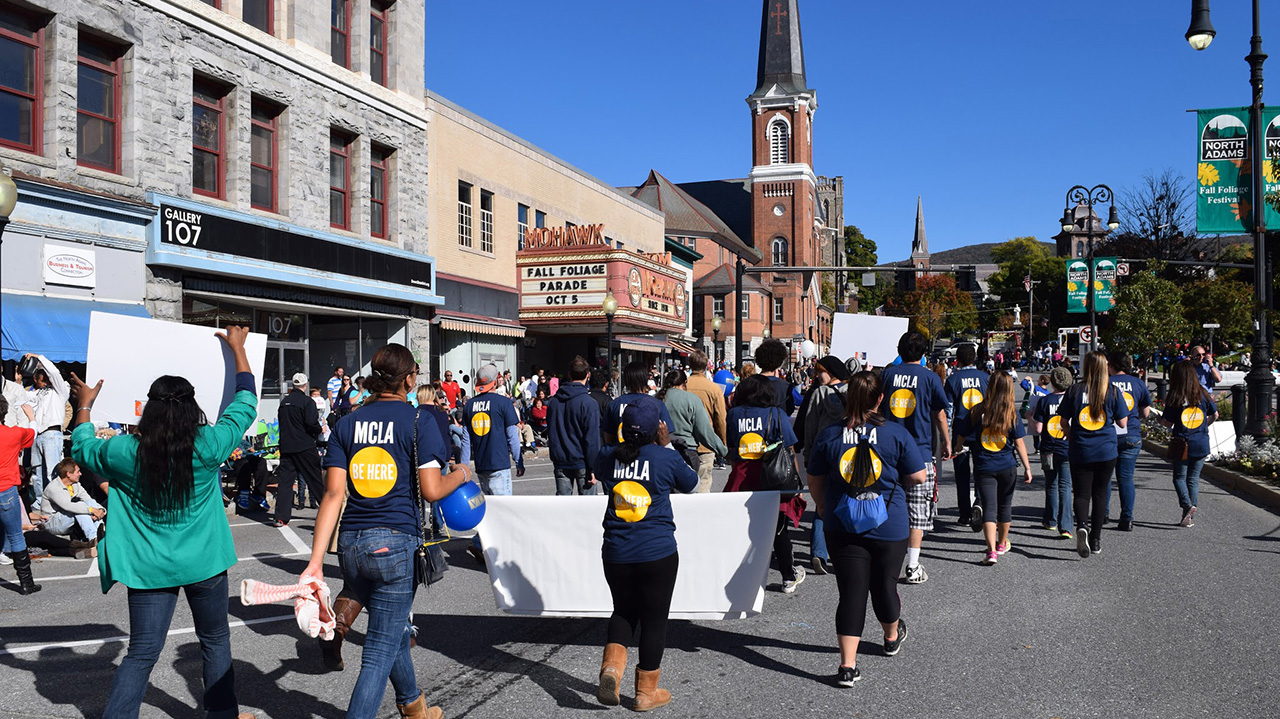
(167, 529)
(754, 423)
(370, 461)
(865, 460)
(1091, 410)
(996, 431)
(1188, 410)
(640, 554)
(635, 380)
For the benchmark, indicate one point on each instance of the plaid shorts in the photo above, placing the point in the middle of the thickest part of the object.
(922, 500)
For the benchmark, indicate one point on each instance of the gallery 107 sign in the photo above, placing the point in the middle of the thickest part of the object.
(1224, 169)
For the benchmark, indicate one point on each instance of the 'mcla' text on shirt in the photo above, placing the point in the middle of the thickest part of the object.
(906, 381)
(374, 432)
(637, 470)
(750, 424)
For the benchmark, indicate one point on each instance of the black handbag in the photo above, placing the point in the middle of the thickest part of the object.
(778, 464)
(429, 563)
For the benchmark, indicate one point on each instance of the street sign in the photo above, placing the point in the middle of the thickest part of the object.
(1211, 325)
(1086, 334)
(868, 279)
(1122, 269)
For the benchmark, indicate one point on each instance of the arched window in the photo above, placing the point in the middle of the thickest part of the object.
(779, 142)
(779, 251)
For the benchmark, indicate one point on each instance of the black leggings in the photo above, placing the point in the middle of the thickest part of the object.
(642, 599)
(865, 566)
(783, 553)
(1091, 481)
(996, 489)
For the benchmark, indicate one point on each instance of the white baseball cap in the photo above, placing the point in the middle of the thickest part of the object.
(299, 380)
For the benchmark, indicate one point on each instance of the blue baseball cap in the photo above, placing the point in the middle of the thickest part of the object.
(640, 421)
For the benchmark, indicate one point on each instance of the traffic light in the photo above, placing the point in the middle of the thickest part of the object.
(906, 278)
(967, 279)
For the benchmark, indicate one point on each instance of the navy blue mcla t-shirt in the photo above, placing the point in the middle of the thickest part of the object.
(614, 420)
(638, 523)
(1192, 424)
(1091, 440)
(966, 388)
(1136, 397)
(894, 455)
(1052, 438)
(912, 396)
(374, 445)
(487, 417)
(992, 452)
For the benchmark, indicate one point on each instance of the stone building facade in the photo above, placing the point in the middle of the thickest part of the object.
(257, 161)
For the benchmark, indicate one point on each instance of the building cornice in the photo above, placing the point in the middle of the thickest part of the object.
(783, 173)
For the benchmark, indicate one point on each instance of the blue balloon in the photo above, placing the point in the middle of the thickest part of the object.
(464, 508)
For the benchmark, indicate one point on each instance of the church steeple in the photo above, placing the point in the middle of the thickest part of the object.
(919, 245)
(781, 51)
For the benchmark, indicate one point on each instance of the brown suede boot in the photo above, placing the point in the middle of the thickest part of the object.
(611, 671)
(648, 695)
(345, 611)
(418, 709)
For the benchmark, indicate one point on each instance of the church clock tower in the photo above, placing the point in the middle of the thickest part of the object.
(783, 183)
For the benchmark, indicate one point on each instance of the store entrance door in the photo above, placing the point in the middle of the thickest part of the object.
(284, 359)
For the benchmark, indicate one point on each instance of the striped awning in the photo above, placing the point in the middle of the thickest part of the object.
(496, 328)
(643, 344)
(681, 347)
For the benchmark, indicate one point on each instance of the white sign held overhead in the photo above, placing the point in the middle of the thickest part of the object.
(70, 266)
(871, 338)
(129, 353)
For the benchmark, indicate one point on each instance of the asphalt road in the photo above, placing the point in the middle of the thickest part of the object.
(1167, 622)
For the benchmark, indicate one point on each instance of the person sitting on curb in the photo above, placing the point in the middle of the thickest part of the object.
(68, 505)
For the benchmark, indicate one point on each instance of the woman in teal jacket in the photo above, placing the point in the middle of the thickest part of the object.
(167, 529)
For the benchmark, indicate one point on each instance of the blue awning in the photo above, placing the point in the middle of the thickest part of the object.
(55, 327)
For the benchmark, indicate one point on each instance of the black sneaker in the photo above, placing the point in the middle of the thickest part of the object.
(847, 676)
(1082, 542)
(819, 565)
(1126, 525)
(975, 518)
(891, 647)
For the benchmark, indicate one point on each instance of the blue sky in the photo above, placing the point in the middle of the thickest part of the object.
(989, 110)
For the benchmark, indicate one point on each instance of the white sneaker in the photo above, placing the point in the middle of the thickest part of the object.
(916, 575)
(789, 587)
(4, 559)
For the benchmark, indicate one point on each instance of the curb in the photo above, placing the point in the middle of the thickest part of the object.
(1261, 493)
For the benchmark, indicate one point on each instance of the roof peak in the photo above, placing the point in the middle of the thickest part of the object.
(781, 60)
(920, 244)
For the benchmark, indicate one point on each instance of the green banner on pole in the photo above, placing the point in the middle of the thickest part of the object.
(1077, 286)
(1224, 169)
(1104, 283)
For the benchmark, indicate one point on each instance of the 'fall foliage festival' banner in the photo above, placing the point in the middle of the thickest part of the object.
(1223, 169)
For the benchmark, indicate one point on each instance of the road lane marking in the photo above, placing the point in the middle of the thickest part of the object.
(125, 638)
(93, 571)
(294, 540)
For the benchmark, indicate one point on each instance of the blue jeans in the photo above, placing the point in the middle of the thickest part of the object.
(568, 479)
(1130, 447)
(818, 540)
(1186, 481)
(377, 565)
(496, 483)
(1057, 491)
(964, 492)
(45, 455)
(150, 613)
(12, 512)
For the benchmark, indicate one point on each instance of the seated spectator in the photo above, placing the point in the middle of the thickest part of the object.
(69, 505)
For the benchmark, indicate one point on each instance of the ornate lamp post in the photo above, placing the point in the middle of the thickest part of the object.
(610, 306)
(8, 200)
(716, 322)
(1261, 383)
(1096, 195)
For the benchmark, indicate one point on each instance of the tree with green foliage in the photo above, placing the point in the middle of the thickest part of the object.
(861, 251)
(1148, 314)
(1221, 302)
(1018, 257)
(936, 307)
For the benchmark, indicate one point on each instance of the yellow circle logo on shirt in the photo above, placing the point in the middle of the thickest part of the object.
(993, 442)
(620, 439)
(971, 398)
(1128, 400)
(630, 501)
(1090, 423)
(480, 423)
(1192, 417)
(846, 467)
(373, 472)
(751, 446)
(902, 403)
(1055, 427)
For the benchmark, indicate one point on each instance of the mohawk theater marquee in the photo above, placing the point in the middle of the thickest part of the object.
(565, 274)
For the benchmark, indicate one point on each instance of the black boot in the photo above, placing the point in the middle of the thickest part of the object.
(22, 565)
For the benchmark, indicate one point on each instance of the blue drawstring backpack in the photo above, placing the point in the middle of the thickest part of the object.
(861, 511)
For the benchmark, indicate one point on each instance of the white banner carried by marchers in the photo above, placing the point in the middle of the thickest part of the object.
(129, 353)
(543, 554)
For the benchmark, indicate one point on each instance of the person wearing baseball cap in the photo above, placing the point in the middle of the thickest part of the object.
(822, 407)
(299, 431)
(492, 439)
(639, 552)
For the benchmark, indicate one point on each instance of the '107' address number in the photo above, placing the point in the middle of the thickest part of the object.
(181, 227)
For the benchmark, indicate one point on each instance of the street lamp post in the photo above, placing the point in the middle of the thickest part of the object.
(1261, 383)
(610, 305)
(1096, 195)
(715, 339)
(8, 200)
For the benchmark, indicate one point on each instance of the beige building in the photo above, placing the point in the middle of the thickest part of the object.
(529, 246)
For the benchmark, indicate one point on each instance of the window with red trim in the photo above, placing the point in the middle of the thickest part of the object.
(208, 138)
(379, 191)
(264, 129)
(217, 4)
(379, 19)
(21, 46)
(339, 180)
(340, 32)
(98, 104)
(260, 14)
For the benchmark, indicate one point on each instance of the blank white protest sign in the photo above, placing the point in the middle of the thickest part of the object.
(129, 353)
(872, 338)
